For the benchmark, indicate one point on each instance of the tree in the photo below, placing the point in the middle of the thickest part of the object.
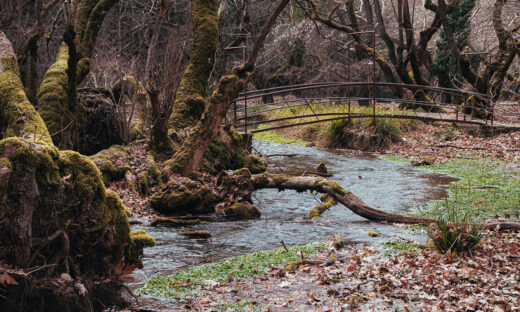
(491, 78)
(56, 214)
(57, 98)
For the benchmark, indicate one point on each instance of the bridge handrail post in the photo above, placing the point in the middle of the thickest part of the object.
(374, 76)
(245, 108)
(235, 113)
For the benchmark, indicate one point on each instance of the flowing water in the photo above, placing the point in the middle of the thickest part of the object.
(386, 185)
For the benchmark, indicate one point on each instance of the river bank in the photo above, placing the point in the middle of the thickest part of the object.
(499, 178)
(359, 278)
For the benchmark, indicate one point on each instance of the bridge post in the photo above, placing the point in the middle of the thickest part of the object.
(235, 113)
(245, 108)
(374, 76)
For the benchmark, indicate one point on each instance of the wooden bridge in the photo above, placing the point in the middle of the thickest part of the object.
(249, 110)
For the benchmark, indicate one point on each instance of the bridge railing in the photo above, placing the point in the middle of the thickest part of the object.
(251, 106)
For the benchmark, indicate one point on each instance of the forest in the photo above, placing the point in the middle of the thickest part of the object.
(259, 155)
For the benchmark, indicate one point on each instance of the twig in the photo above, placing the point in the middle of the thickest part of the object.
(282, 155)
(284, 247)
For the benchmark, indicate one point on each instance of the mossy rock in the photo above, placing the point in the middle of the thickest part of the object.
(196, 234)
(181, 196)
(373, 234)
(322, 168)
(174, 222)
(107, 159)
(242, 211)
(139, 240)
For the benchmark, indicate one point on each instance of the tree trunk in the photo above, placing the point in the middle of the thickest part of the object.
(191, 97)
(57, 100)
(187, 159)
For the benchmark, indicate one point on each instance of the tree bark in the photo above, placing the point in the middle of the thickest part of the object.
(57, 94)
(190, 99)
(187, 159)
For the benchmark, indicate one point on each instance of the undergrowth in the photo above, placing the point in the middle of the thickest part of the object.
(486, 188)
(351, 133)
(186, 283)
(271, 136)
(399, 247)
(241, 306)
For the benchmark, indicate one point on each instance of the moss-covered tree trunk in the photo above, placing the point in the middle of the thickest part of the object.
(187, 159)
(56, 215)
(191, 97)
(57, 99)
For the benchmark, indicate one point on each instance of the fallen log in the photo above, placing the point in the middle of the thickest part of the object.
(334, 190)
(502, 226)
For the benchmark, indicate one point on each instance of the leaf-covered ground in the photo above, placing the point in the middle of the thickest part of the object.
(444, 142)
(363, 279)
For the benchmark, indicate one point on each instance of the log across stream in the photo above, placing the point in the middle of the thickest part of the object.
(390, 186)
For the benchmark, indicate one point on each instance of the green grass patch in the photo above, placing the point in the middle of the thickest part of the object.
(398, 247)
(486, 188)
(349, 133)
(271, 136)
(185, 284)
(241, 306)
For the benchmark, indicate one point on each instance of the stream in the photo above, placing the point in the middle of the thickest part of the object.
(385, 185)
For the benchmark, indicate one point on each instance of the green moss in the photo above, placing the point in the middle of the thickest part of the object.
(321, 208)
(17, 115)
(241, 306)
(271, 136)
(335, 186)
(242, 211)
(399, 246)
(107, 159)
(139, 240)
(373, 234)
(63, 116)
(252, 162)
(294, 265)
(190, 99)
(70, 193)
(142, 184)
(243, 171)
(180, 196)
(186, 283)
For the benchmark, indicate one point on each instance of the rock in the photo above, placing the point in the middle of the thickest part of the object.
(173, 222)
(196, 234)
(322, 168)
(373, 234)
(242, 211)
(426, 160)
(181, 196)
